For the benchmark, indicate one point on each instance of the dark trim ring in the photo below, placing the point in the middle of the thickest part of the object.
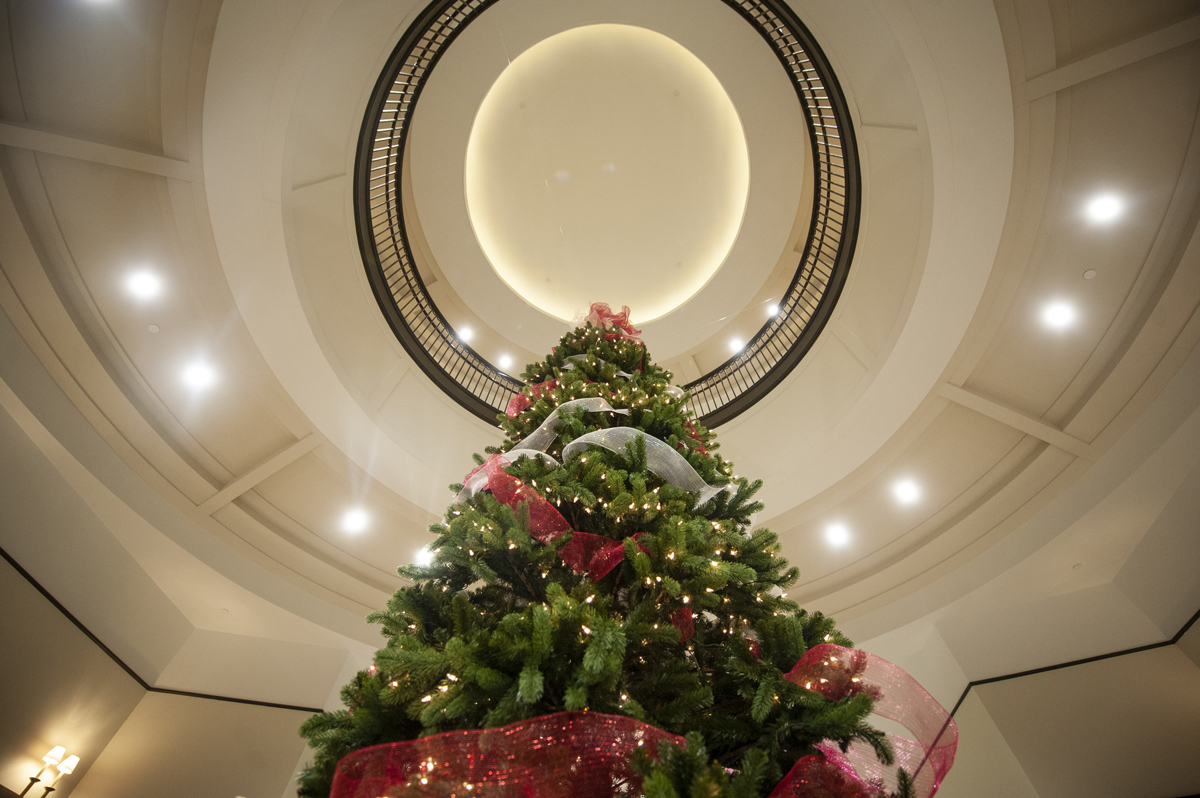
(718, 396)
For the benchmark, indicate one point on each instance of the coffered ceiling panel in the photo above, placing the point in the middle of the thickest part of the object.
(85, 71)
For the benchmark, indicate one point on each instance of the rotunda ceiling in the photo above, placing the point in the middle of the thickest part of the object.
(606, 163)
(1034, 460)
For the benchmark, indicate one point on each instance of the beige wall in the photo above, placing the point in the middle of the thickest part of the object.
(57, 687)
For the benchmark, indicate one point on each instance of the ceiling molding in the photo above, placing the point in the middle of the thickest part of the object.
(1122, 55)
(28, 138)
(1019, 421)
(271, 466)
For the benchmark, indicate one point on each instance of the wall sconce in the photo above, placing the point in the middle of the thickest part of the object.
(53, 759)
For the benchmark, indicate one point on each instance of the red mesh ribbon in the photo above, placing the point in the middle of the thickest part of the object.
(521, 402)
(586, 755)
(595, 555)
(545, 522)
(681, 619)
(815, 777)
(601, 315)
(835, 673)
(565, 755)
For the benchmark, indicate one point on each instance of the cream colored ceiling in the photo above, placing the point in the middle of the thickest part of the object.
(214, 143)
(602, 160)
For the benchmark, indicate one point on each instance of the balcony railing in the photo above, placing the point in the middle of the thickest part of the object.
(719, 395)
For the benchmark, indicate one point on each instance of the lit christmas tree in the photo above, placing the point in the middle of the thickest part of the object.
(601, 561)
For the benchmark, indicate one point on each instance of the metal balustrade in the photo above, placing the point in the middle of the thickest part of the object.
(719, 395)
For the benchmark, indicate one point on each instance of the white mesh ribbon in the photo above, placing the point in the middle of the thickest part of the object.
(569, 365)
(674, 390)
(660, 459)
(478, 479)
(544, 435)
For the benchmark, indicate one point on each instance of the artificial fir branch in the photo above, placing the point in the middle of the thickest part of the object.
(498, 628)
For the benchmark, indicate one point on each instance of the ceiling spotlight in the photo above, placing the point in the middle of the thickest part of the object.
(425, 557)
(144, 284)
(837, 535)
(773, 310)
(735, 344)
(1058, 315)
(465, 334)
(355, 520)
(199, 375)
(906, 491)
(505, 361)
(1104, 208)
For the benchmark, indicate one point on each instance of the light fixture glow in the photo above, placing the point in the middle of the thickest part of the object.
(1104, 208)
(465, 334)
(837, 535)
(55, 755)
(505, 361)
(198, 375)
(144, 284)
(772, 310)
(425, 557)
(906, 491)
(1058, 315)
(355, 520)
(68, 765)
(735, 344)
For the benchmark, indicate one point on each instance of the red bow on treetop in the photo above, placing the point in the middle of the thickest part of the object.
(601, 315)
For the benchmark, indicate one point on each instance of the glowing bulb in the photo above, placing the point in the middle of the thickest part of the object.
(906, 491)
(505, 361)
(144, 284)
(1104, 208)
(355, 520)
(198, 375)
(837, 535)
(425, 557)
(773, 310)
(465, 334)
(735, 344)
(1058, 315)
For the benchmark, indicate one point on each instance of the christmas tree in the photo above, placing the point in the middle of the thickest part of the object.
(602, 560)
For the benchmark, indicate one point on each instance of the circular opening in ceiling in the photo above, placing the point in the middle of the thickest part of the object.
(607, 155)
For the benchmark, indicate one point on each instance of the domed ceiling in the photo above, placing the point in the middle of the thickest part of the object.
(985, 463)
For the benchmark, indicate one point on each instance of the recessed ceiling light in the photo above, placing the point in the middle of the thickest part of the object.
(144, 284)
(772, 310)
(153, 328)
(1090, 274)
(425, 557)
(355, 520)
(198, 375)
(1104, 208)
(1058, 315)
(465, 334)
(505, 361)
(735, 344)
(837, 535)
(906, 491)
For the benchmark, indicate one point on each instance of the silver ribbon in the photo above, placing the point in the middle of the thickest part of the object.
(479, 480)
(544, 435)
(661, 458)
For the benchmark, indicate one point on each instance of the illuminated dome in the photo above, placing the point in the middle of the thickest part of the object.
(607, 163)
